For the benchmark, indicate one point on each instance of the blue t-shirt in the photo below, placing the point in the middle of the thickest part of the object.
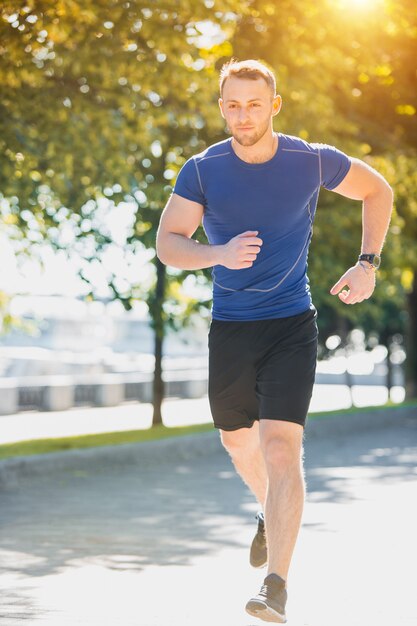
(277, 198)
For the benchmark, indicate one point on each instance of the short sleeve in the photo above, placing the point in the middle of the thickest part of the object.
(334, 165)
(188, 184)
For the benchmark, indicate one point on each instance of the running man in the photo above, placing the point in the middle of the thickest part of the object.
(256, 195)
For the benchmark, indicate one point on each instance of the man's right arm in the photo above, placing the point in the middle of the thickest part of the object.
(175, 246)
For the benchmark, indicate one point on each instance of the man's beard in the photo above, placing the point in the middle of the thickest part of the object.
(249, 139)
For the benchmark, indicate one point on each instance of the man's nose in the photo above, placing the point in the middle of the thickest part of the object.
(243, 114)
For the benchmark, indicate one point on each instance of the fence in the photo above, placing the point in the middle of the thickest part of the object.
(58, 392)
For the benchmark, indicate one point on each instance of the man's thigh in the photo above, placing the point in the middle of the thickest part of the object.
(232, 376)
(286, 374)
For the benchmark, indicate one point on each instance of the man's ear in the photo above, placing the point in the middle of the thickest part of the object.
(276, 105)
(221, 107)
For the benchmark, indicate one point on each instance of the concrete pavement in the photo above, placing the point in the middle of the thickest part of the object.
(88, 420)
(166, 543)
(136, 415)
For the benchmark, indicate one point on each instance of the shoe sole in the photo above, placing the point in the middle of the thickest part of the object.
(265, 612)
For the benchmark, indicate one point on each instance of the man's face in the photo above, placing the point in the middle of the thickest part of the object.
(248, 107)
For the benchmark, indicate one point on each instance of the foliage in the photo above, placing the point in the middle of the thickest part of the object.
(346, 72)
(105, 100)
(107, 110)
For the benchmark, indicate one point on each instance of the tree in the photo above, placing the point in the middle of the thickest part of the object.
(347, 76)
(111, 110)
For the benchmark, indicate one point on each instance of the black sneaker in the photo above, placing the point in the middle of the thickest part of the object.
(258, 552)
(269, 604)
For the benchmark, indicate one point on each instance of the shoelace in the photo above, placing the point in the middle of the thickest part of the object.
(261, 528)
(264, 591)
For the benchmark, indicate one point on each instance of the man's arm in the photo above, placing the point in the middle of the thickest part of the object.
(364, 183)
(174, 245)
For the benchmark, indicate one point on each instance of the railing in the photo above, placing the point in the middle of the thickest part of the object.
(57, 393)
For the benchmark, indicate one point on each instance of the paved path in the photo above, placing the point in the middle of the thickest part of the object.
(168, 545)
(136, 415)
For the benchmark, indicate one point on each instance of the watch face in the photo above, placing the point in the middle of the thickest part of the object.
(376, 261)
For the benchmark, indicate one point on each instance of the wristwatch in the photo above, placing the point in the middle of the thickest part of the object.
(373, 259)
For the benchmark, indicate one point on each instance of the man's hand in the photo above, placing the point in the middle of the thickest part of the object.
(360, 282)
(241, 251)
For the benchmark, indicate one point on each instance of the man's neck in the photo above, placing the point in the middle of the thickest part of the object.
(261, 152)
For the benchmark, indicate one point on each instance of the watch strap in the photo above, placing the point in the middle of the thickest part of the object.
(372, 259)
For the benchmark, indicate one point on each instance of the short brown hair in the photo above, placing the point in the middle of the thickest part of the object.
(249, 69)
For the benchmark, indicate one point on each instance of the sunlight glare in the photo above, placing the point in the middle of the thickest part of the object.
(366, 5)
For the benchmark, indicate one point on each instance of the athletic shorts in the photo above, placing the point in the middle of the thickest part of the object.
(263, 369)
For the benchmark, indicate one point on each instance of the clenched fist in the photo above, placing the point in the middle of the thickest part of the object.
(241, 251)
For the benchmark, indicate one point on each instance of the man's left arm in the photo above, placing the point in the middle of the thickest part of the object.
(364, 183)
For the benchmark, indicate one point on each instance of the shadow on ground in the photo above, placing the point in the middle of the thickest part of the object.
(128, 518)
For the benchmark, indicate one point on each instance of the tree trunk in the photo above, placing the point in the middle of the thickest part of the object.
(411, 345)
(390, 369)
(158, 321)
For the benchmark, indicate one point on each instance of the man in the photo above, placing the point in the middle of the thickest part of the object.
(256, 194)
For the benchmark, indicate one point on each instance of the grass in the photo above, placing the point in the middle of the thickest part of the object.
(58, 444)
(45, 446)
(354, 410)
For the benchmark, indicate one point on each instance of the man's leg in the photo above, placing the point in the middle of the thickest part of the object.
(244, 448)
(281, 444)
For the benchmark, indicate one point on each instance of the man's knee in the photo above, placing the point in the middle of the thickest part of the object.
(241, 441)
(280, 454)
(282, 449)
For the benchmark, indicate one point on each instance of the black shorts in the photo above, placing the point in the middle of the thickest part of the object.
(262, 369)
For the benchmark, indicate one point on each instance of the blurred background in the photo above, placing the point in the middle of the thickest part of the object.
(101, 104)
